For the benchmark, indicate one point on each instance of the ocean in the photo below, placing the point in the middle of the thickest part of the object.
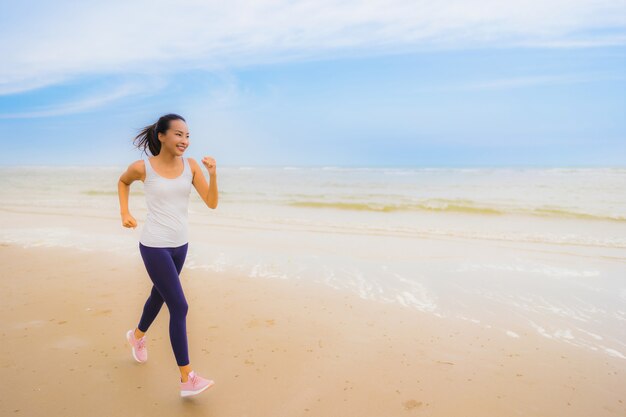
(516, 250)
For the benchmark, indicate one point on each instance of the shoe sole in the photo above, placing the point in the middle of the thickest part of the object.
(190, 393)
(128, 336)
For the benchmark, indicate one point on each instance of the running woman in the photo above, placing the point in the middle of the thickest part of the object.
(167, 178)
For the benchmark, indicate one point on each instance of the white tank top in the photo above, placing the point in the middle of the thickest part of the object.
(167, 201)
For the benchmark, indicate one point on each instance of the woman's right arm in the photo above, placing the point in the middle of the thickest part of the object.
(134, 172)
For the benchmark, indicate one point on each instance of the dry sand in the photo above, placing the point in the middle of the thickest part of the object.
(274, 348)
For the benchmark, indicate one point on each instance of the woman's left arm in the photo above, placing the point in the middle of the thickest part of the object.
(208, 192)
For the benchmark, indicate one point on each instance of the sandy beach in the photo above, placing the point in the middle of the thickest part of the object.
(273, 347)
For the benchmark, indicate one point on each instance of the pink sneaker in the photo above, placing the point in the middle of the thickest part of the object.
(194, 385)
(140, 352)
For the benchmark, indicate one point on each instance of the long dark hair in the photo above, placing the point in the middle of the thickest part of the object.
(148, 137)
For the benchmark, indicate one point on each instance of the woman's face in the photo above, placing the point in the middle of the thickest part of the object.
(176, 139)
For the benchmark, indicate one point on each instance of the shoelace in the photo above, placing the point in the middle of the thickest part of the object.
(192, 379)
(141, 343)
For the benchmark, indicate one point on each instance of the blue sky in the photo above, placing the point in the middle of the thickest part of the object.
(393, 83)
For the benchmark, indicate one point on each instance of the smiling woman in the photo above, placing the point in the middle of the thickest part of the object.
(164, 239)
(149, 135)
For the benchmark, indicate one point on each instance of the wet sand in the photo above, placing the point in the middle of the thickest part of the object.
(274, 348)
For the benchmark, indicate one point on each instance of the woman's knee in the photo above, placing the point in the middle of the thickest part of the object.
(179, 308)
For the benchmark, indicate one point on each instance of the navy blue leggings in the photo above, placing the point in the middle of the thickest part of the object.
(164, 266)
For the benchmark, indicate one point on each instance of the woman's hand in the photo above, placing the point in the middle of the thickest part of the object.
(209, 163)
(128, 220)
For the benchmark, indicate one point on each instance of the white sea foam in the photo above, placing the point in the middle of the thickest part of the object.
(541, 330)
(75, 238)
(528, 268)
(595, 336)
(511, 333)
(614, 352)
(473, 320)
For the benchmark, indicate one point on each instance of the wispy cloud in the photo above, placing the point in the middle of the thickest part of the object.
(592, 42)
(27, 84)
(526, 81)
(53, 41)
(87, 103)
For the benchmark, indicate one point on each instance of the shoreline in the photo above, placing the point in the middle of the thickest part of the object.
(274, 347)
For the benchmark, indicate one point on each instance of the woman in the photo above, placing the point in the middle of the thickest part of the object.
(167, 178)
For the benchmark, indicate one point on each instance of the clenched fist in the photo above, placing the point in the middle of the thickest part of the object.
(209, 163)
(128, 220)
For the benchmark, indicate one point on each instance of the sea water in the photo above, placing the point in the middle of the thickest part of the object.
(543, 247)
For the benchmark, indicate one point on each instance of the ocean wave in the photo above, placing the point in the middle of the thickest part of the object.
(542, 238)
(456, 206)
(99, 192)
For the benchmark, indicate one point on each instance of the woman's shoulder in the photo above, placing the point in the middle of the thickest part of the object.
(193, 164)
(138, 168)
(139, 164)
(135, 171)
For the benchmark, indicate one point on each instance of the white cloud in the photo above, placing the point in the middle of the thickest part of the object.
(43, 45)
(91, 102)
(27, 84)
(514, 82)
